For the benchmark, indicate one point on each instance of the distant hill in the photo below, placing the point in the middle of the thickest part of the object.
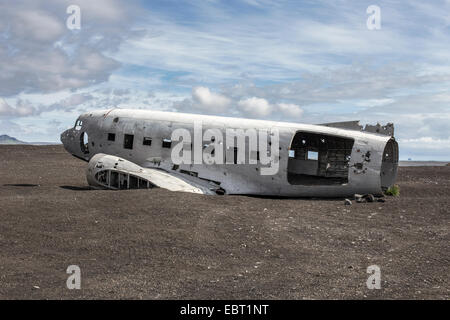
(5, 139)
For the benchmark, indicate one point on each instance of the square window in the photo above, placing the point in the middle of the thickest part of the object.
(291, 153)
(166, 143)
(128, 141)
(313, 155)
(147, 141)
(111, 137)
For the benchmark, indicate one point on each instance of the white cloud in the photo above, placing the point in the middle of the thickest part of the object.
(425, 148)
(426, 143)
(261, 108)
(39, 54)
(277, 42)
(70, 102)
(208, 100)
(5, 109)
(36, 25)
(22, 109)
(257, 107)
(374, 102)
(290, 110)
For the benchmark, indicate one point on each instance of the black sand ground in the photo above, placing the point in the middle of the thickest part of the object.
(155, 244)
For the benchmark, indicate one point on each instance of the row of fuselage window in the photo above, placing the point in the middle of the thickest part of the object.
(128, 141)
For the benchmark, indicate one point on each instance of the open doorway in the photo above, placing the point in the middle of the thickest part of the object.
(319, 159)
(128, 141)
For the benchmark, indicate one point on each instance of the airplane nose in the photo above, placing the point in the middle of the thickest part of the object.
(67, 138)
(64, 136)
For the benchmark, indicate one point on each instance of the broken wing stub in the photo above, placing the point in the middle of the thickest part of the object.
(115, 173)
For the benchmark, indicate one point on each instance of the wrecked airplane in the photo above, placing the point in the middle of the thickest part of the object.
(140, 149)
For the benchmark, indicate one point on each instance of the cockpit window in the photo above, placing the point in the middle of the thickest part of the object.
(78, 124)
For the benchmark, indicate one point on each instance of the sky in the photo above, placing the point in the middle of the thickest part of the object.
(296, 61)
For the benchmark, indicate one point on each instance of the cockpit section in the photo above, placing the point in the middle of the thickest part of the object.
(76, 139)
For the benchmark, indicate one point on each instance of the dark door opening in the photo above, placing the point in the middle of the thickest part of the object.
(147, 141)
(319, 159)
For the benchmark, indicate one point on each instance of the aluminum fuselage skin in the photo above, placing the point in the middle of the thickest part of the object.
(234, 178)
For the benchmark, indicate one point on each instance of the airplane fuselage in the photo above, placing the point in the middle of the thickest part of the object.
(311, 160)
